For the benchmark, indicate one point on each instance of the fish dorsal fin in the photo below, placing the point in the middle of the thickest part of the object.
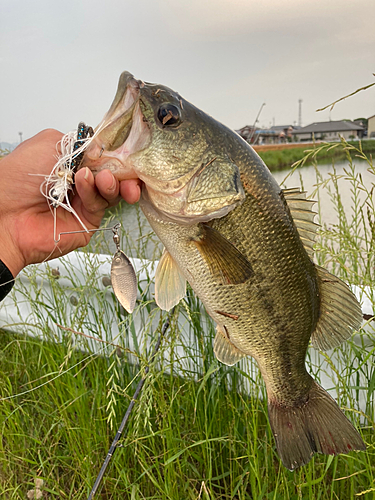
(224, 350)
(303, 216)
(340, 312)
(227, 265)
(170, 284)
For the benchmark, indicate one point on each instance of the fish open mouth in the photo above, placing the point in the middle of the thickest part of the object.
(121, 132)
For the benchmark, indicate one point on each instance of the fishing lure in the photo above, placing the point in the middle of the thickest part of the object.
(123, 277)
(65, 181)
(58, 185)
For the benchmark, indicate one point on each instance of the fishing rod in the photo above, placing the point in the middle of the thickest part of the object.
(113, 447)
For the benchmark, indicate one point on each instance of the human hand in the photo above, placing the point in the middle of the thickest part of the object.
(26, 222)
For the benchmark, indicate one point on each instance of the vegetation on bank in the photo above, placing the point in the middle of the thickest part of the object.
(281, 159)
(199, 430)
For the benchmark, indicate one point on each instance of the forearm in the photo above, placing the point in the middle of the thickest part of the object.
(6, 281)
(10, 262)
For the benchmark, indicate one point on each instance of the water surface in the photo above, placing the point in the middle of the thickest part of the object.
(309, 178)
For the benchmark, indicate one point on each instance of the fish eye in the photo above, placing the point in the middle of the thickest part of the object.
(169, 115)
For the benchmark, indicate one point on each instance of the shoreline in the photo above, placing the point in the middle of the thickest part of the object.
(286, 145)
(281, 156)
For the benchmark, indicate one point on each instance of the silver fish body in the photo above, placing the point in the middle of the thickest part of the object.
(124, 281)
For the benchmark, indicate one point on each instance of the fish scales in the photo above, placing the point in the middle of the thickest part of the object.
(274, 313)
(244, 245)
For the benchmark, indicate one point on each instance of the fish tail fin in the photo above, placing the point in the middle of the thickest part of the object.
(317, 426)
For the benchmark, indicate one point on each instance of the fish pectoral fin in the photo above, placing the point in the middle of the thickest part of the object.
(340, 312)
(170, 284)
(224, 350)
(227, 265)
(303, 215)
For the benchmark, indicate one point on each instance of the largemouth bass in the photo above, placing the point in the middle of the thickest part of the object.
(244, 245)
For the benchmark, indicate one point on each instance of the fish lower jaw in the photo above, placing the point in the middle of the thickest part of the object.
(117, 168)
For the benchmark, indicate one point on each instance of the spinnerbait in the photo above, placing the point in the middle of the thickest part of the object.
(59, 183)
(65, 181)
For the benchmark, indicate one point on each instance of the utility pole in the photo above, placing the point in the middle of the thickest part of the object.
(300, 112)
(20, 134)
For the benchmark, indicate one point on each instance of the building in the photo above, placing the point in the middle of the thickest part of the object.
(274, 135)
(371, 127)
(247, 132)
(330, 131)
(362, 122)
(285, 132)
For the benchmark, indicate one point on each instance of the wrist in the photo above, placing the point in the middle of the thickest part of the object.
(10, 255)
(6, 281)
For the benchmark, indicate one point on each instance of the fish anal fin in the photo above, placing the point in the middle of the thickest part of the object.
(170, 284)
(316, 426)
(227, 265)
(340, 312)
(303, 215)
(224, 350)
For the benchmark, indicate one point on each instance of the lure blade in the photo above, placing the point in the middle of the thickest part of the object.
(124, 281)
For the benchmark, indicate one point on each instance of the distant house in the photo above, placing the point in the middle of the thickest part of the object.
(371, 127)
(247, 132)
(362, 122)
(285, 132)
(330, 131)
(274, 135)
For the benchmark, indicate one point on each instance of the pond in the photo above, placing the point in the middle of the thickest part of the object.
(307, 177)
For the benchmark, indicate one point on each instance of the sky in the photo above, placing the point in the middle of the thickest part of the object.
(60, 60)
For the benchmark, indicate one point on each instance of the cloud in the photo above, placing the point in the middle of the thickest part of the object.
(243, 18)
(61, 60)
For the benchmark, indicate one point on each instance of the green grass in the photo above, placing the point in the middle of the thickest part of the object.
(278, 160)
(199, 429)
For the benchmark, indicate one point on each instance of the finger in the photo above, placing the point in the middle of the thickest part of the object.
(90, 197)
(108, 187)
(130, 190)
